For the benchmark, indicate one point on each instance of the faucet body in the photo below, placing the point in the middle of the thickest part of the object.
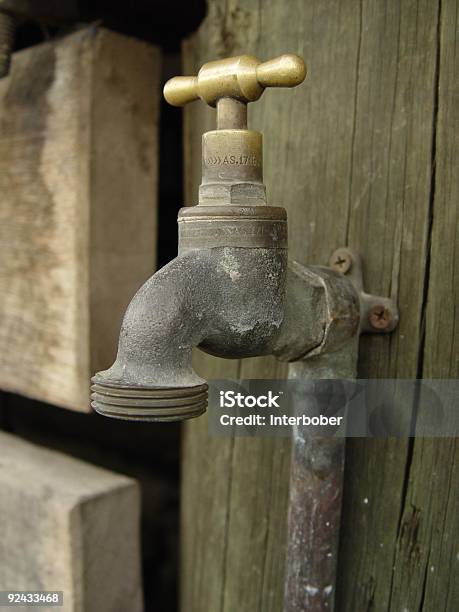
(232, 302)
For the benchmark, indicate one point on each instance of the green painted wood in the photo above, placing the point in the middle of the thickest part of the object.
(349, 154)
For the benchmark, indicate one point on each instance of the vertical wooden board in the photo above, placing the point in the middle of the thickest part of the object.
(206, 485)
(256, 525)
(77, 222)
(389, 186)
(307, 130)
(388, 222)
(44, 252)
(426, 573)
(257, 512)
(349, 155)
(441, 353)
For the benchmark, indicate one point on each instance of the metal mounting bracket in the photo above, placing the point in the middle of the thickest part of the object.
(377, 314)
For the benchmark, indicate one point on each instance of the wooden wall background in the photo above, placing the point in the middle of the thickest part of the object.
(363, 154)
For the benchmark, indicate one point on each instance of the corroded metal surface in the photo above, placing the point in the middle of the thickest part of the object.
(315, 498)
(232, 226)
(316, 476)
(130, 403)
(226, 292)
(377, 314)
(232, 302)
(231, 290)
(208, 297)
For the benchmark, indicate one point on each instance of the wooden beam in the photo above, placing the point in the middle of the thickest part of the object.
(69, 526)
(78, 181)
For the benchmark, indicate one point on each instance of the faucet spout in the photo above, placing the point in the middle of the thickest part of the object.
(152, 377)
(206, 297)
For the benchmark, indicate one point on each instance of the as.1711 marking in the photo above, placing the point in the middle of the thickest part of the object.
(233, 160)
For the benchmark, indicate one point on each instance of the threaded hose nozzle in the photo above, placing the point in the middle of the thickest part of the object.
(136, 403)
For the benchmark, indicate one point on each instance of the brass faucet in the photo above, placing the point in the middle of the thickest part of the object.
(231, 290)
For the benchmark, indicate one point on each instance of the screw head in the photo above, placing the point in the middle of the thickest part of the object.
(380, 317)
(341, 261)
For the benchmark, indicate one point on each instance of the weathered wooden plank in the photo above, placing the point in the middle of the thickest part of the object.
(426, 575)
(389, 193)
(349, 155)
(426, 563)
(70, 526)
(441, 351)
(77, 223)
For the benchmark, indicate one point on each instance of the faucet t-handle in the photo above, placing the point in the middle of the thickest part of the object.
(241, 79)
(232, 155)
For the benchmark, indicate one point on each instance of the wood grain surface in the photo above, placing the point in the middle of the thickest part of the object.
(78, 178)
(362, 154)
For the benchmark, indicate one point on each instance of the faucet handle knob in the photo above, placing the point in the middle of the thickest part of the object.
(243, 78)
(288, 70)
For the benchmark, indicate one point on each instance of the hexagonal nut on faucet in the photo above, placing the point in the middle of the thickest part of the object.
(251, 194)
